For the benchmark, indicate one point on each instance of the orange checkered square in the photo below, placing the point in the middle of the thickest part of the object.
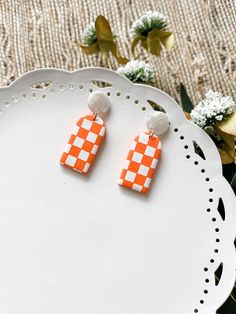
(141, 162)
(83, 144)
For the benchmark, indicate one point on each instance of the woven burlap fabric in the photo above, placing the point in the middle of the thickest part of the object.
(46, 33)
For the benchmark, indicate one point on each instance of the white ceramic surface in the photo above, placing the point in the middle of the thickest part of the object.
(83, 244)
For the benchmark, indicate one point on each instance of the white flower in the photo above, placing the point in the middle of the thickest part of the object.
(137, 71)
(214, 108)
(89, 36)
(148, 21)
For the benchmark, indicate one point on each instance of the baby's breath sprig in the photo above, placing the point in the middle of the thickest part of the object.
(89, 35)
(147, 22)
(216, 115)
(151, 30)
(213, 109)
(137, 72)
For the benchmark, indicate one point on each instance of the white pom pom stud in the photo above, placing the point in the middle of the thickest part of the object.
(158, 122)
(98, 102)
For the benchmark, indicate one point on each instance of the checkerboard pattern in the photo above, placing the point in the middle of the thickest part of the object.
(141, 162)
(83, 144)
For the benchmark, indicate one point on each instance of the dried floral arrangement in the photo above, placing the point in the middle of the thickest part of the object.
(138, 72)
(216, 115)
(98, 37)
(151, 31)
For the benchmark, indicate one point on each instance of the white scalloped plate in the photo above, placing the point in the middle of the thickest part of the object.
(83, 244)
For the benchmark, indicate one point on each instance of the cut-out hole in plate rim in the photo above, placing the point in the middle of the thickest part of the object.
(198, 150)
(101, 84)
(41, 85)
(156, 106)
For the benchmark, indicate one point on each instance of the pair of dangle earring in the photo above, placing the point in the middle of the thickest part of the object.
(89, 133)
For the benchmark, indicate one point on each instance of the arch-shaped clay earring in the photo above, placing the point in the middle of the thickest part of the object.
(144, 154)
(87, 135)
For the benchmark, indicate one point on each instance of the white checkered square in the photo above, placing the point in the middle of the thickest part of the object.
(83, 155)
(143, 170)
(78, 142)
(99, 121)
(147, 182)
(120, 182)
(75, 130)
(137, 187)
(143, 138)
(126, 165)
(86, 167)
(137, 157)
(149, 151)
(77, 170)
(68, 147)
(133, 145)
(130, 176)
(154, 163)
(91, 137)
(94, 149)
(102, 131)
(70, 161)
(86, 124)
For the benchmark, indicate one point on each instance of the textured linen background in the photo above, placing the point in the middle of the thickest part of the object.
(46, 33)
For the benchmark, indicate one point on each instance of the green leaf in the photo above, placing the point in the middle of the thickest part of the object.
(93, 48)
(228, 125)
(136, 41)
(186, 103)
(233, 182)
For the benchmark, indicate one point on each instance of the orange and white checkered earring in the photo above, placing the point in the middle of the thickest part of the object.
(87, 135)
(144, 154)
